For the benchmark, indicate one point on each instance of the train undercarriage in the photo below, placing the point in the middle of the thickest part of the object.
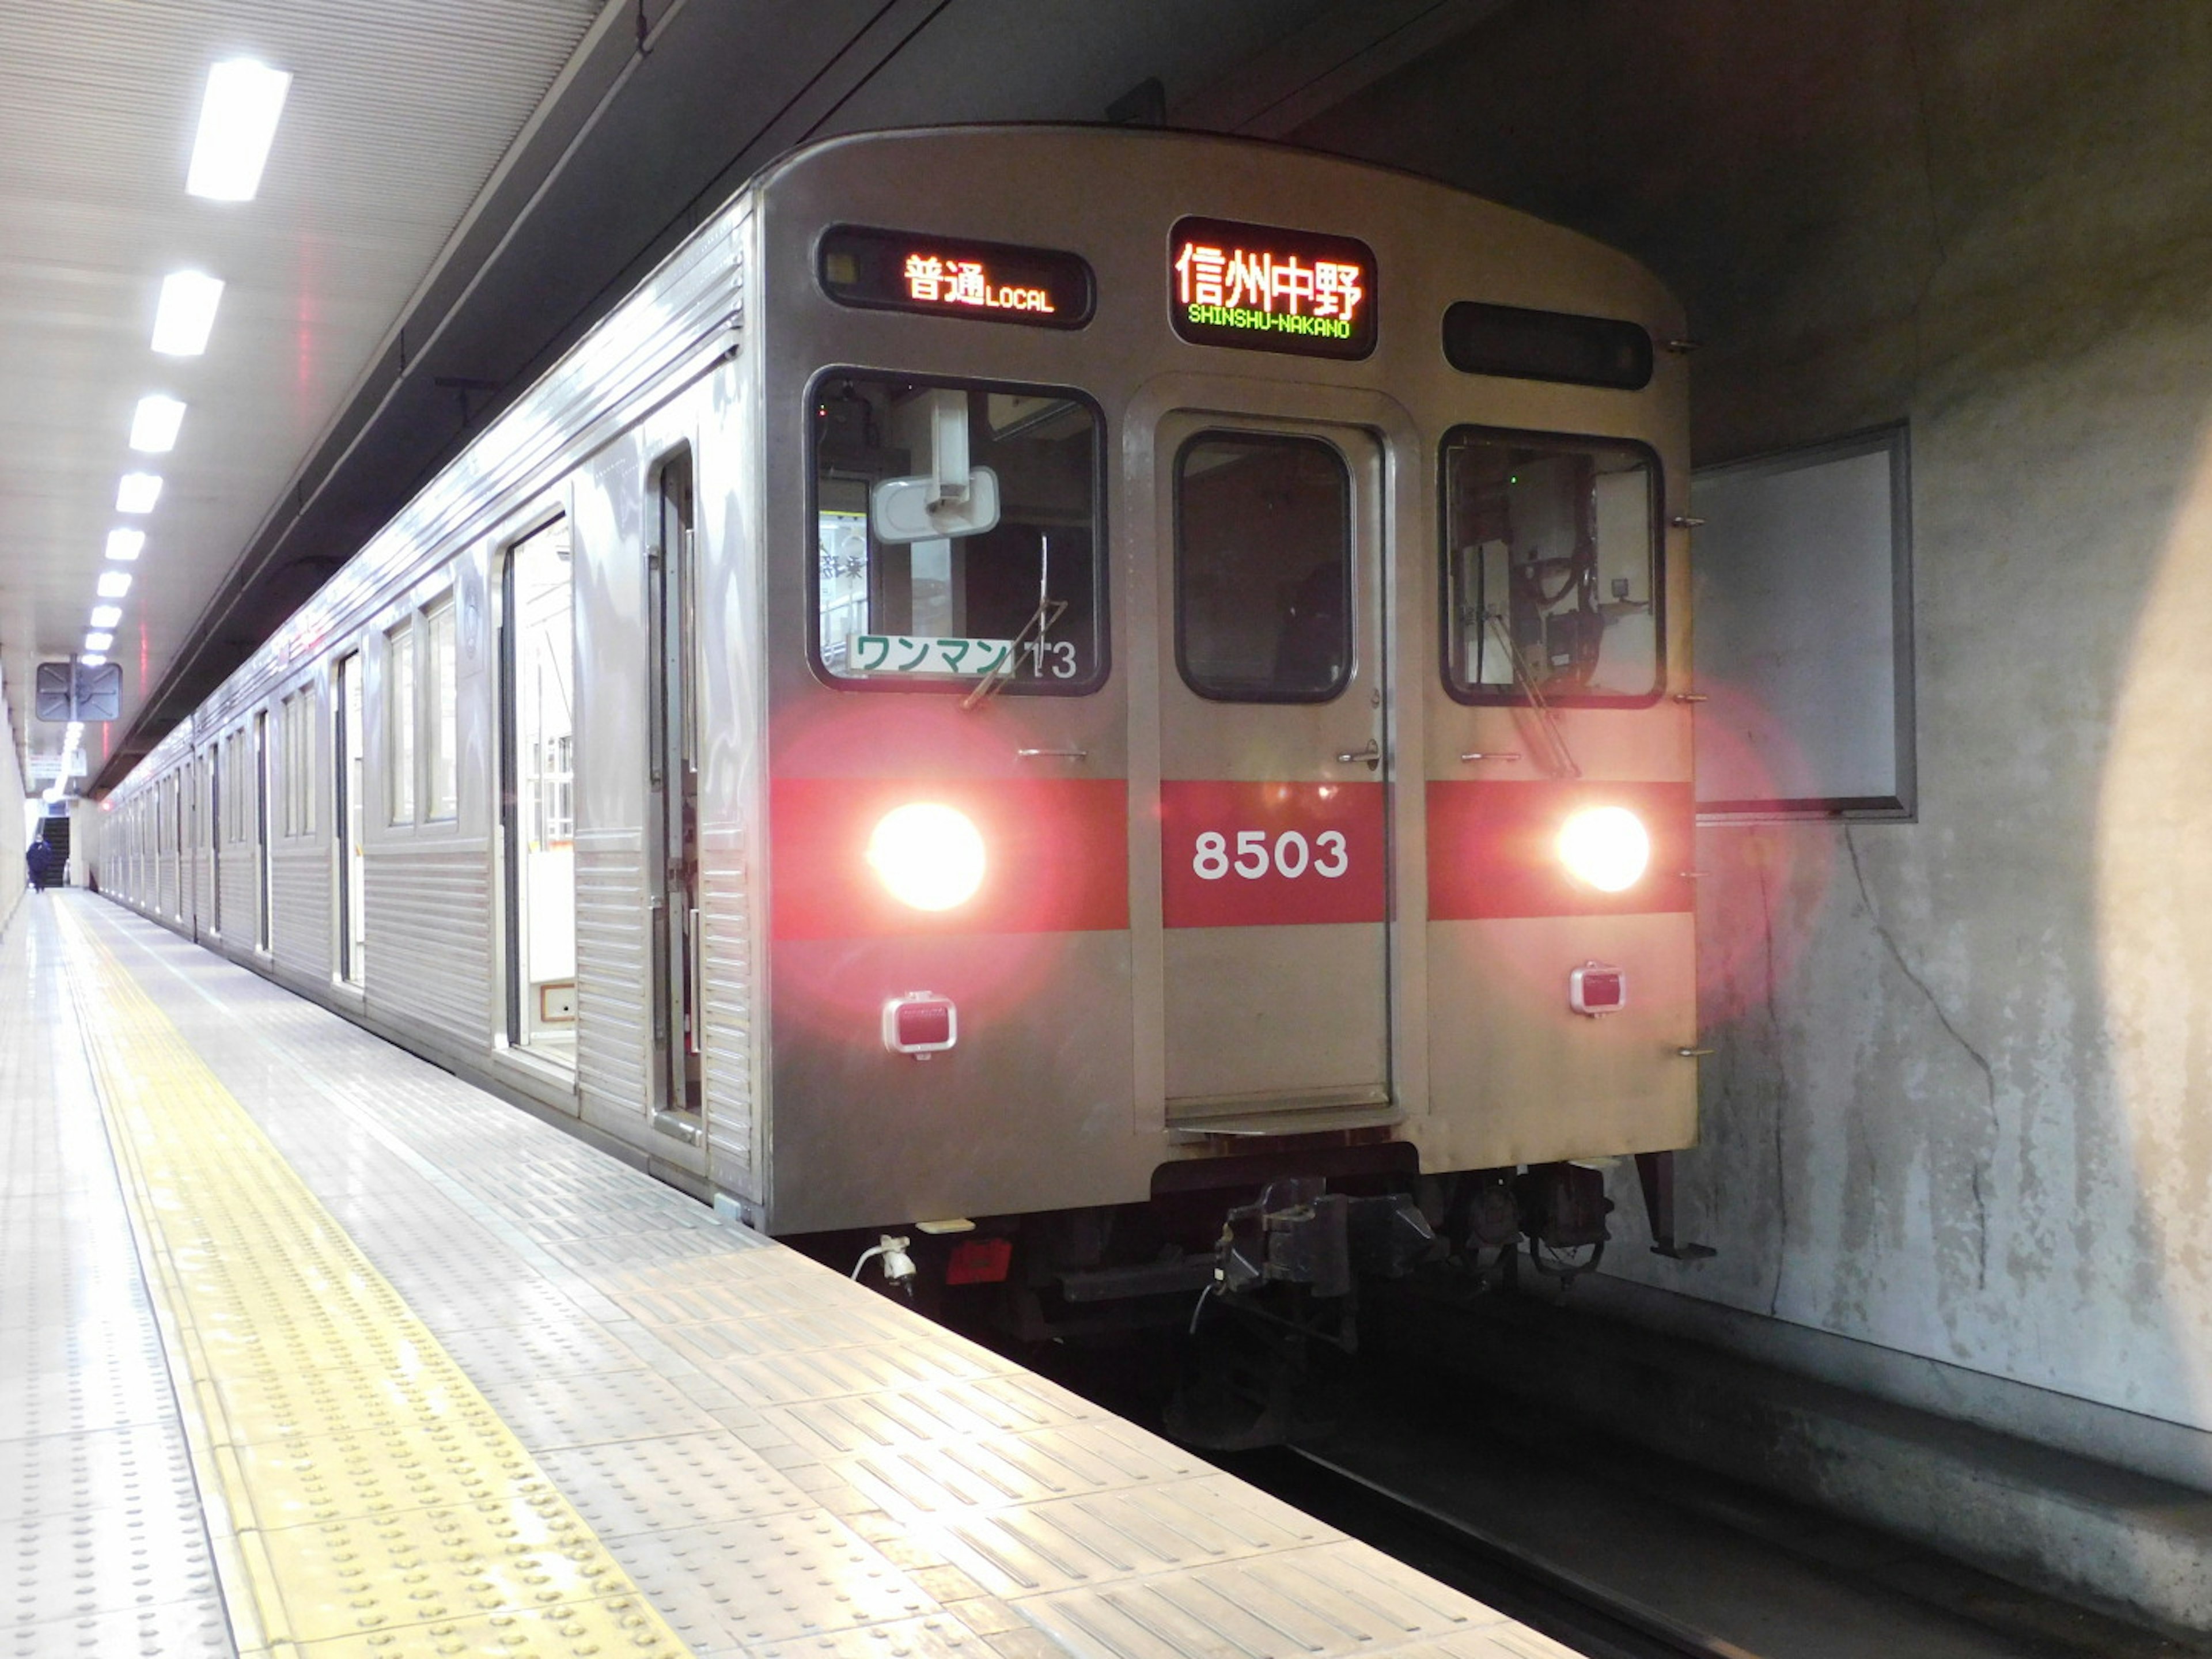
(1260, 1285)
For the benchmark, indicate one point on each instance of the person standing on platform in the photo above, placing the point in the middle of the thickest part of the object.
(40, 858)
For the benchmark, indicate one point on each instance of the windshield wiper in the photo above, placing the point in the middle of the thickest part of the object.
(1559, 761)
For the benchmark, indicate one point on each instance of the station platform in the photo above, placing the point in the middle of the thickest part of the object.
(307, 1347)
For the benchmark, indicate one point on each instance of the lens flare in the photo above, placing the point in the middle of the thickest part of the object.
(1606, 846)
(929, 856)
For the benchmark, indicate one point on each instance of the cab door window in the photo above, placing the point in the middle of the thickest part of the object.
(1263, 567)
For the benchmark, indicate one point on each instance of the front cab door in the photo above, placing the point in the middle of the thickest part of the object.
(1273, 751)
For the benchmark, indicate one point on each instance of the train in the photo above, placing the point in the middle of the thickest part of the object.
(1105, 708)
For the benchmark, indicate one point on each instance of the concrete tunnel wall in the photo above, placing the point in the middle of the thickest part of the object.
(1962, 1105)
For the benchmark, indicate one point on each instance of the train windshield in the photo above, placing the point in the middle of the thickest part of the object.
(958, 534)
(1552, 547)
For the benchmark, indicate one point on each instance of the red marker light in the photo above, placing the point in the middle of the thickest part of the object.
(921, 1023)
(980, 1261)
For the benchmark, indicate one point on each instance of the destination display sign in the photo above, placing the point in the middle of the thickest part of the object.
(939, 276)
(1260, 288)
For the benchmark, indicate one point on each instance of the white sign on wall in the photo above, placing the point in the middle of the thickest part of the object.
(1802, 588)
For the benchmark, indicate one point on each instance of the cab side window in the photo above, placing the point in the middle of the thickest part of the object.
(958, 531)
(1552, 566)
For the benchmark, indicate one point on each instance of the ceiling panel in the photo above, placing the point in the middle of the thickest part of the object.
(397, 113)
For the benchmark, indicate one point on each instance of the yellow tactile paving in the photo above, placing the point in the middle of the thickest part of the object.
(366, 1500)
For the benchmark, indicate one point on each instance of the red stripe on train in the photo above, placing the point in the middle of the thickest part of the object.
(1493, 849)
(1056, 856)
(1272, 855)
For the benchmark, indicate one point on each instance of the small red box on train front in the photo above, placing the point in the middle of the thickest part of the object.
(1594, 988)
(921, 1023)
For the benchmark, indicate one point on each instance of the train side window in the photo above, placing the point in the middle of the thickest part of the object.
(1552, 567)
(289, 762)
(440, 669)
(285, 760)
(959, 529)
(1263, 567)
(308, 705)
(295, 754)
(400, 720)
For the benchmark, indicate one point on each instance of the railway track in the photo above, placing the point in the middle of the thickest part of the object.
(1611, 1549)
(1566, 1606)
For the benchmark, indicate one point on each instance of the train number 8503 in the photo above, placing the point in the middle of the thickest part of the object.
(1291, 855)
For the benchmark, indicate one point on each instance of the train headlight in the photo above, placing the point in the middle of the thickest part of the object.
(1606, 847)
(929, 856)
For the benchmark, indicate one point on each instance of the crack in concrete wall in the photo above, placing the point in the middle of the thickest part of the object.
(1918, 981)
(1776, 1052)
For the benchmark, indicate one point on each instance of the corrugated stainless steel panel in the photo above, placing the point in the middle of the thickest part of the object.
(605, 382)
(300, 879)
(430, 965)
(727, 900)
(614, 1030)
(241, 899)
(429, 923)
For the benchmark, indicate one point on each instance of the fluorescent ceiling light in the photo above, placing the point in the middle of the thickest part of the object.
(92, 658)
(138, 493)
(154, 427)
(186, 313)
(106, 616)
(124, 545)
(114, 584)
(98, 641)
(238, 119)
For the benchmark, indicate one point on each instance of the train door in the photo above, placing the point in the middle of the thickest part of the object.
(1274, 765)
(672, 777)
(538, 652)
(261, 884)
(172, 832)
(195, 782)
(353, 929)
(217, 777)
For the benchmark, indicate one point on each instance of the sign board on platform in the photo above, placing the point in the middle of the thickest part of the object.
(49, 768)
(91, 695)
